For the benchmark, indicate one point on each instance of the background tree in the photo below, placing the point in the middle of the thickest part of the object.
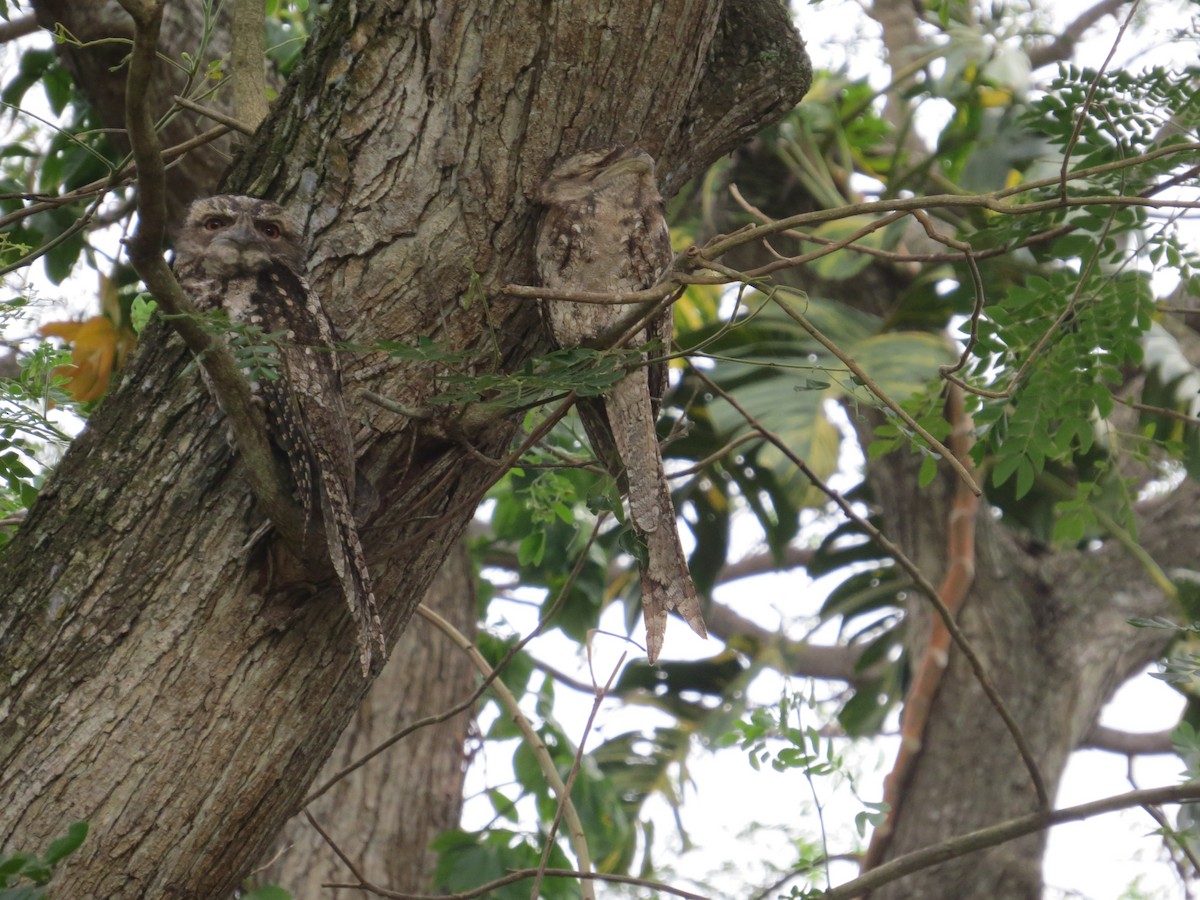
(418, 183)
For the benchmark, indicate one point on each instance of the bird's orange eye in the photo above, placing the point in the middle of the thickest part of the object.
(214, 223)
(270, 229)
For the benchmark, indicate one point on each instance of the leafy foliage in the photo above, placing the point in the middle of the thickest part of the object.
(25, 876)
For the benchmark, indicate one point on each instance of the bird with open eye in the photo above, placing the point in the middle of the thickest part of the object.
(247, 257)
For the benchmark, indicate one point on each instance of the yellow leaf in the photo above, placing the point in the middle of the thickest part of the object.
(992, 97)
(96, 349)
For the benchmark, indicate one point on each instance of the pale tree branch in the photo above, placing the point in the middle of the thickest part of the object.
(1003, 832)
(485, 890)
(1128, 743)
(246, 60)
(540, 753)
(18, 28)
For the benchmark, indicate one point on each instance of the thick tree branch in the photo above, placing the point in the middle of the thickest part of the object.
(246, 60)
(1128, 743)
(18, 28)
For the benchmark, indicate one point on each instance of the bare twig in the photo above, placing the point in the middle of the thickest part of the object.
(541, 754)
(993, 201)
(479, 691)
(520, 875)
(870, 384)
(1063, 44)
(1087, 101)
(102, 185)
(601, 693)
(894, 256)
(333, 846)
(216, 115)
(968, 254)
(1158, 410)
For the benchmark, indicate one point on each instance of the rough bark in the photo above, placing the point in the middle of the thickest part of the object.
(161, 682)
(403, 798)
(425, 772)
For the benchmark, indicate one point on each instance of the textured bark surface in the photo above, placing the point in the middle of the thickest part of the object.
(158, 683)
(403, 798)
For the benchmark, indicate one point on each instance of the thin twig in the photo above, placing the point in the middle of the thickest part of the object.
(897, 257)
(216, 115)
(333, 846)
(993, 201)
(479, 691)
(1091, 95)
(968, 254)
(869, 383)
(485, 890)
(532, 739)
(126, 173)
(601, 693)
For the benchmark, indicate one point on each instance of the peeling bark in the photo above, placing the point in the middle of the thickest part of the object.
(1052, 630)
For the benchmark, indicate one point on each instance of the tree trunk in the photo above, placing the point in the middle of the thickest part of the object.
(1050, 624)
(1052, 631)
(403, 798)
(425, 771)
(164, 683)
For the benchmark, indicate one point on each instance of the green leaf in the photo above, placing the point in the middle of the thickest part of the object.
(141, 310)
(62, 847)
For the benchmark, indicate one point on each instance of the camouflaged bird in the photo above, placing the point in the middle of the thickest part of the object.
(604, 230)
(246, 256)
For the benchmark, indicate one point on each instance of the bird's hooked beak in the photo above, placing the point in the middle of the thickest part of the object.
(242, 233)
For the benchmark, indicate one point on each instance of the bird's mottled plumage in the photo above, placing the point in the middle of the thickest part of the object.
(246, 256)
(604, 230)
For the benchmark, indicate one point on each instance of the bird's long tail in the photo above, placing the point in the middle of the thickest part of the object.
(666, 583)
(350, 564)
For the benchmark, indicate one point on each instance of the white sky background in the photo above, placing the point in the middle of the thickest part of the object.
(741, 820)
